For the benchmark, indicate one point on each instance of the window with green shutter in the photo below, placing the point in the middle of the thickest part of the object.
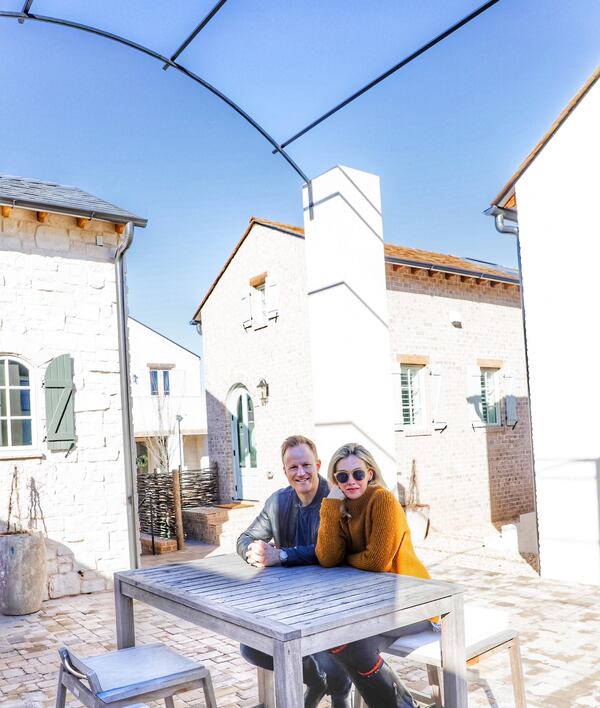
(490, 402)
(60, 410)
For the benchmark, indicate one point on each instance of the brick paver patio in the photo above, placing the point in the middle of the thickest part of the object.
(559, 625)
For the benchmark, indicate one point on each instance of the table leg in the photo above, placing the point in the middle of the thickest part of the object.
(266, 696)
(288, 674)
(124, 618)
(454, 663)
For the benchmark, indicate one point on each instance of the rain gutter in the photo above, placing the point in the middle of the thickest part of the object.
(502, 227)
(478, 275)
(126, 404)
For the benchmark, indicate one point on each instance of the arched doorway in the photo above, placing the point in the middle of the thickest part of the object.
(243, 447)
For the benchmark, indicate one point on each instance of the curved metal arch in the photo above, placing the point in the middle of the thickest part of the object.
(21, 16)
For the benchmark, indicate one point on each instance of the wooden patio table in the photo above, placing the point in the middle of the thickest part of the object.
(291, 612)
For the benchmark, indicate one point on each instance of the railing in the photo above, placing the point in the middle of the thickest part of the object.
(156, 508)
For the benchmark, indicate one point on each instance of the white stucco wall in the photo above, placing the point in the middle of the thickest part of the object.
(156, 414)
(557, 200)
(348, 317)
(58, 296)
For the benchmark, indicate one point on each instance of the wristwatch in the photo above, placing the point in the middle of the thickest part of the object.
(283, 556)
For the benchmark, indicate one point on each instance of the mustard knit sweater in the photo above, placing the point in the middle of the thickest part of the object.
(375, 538)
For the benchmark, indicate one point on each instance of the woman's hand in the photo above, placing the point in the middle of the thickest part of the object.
(335, 493)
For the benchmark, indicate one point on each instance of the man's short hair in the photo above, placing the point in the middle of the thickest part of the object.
(294, 441)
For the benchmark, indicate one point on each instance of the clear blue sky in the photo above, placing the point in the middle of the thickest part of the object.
(444, 133)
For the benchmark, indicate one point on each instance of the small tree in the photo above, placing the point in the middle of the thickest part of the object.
(162, 445)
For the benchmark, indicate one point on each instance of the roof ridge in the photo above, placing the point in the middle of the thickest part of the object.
(548, 135)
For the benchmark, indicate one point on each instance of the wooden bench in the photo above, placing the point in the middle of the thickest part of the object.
(486, 632)
(131, 676)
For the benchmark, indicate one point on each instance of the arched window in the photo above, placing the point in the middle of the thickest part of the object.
(15, 404)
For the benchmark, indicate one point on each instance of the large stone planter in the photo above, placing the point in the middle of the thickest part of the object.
(22, 573)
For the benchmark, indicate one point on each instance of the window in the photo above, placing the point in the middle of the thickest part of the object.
(15, 404)
(411, 394)
(259, 306)
(490, 400)
(260, 302)
(160, 384)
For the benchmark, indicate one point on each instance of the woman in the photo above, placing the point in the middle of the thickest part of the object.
(363, 525)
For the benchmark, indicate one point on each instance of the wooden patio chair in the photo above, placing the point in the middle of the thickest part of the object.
(131, 676)
(486, 632)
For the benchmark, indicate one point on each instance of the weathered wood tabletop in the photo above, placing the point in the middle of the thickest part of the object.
(291, 612)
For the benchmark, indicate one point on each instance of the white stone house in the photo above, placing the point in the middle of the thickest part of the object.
(64, 412)
(168, 401)
(552, 201)
(329, 332)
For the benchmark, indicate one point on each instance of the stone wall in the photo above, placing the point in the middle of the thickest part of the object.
(279, 353)
(468, 475)
(58, 296)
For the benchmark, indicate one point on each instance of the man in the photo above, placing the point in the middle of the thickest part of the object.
(285, 533)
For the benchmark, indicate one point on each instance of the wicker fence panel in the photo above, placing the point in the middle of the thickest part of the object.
(156, 509)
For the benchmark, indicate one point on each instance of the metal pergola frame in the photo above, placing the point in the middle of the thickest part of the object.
(171, 62)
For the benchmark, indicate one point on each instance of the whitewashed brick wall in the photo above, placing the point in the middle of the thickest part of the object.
(279, 353)
(58, 296)
(467, 475)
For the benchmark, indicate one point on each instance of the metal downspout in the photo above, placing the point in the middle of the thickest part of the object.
(504, 228)
(128, 447)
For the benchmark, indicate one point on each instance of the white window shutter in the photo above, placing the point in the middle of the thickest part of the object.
(510, 401)
(246, 308)
(439, 413)
(397, 398)
(474, 397)
(272, 298)
(257, 308)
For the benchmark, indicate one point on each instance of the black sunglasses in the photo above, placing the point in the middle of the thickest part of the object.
(343, 477)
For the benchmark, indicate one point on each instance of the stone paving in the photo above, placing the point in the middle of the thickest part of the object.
(559, 624)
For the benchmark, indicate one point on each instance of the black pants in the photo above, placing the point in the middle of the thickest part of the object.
(338, 682)
(363, 661)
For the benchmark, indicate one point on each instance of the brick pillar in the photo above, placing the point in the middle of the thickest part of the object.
(349, 338)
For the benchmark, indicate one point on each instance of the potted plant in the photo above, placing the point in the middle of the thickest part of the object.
(22, 556)
(417, 514)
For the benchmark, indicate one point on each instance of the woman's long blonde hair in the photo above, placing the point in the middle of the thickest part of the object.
(363, 454)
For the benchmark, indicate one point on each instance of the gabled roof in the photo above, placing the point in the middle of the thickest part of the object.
(285, 228)
(61, 199)
(395, 255)
(505, 199)
(164, 336)
(441, 262)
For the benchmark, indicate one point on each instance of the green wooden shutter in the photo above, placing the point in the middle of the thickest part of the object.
(510, 401)
(60, 411)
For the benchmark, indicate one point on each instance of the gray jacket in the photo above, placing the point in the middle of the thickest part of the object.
(278, 522)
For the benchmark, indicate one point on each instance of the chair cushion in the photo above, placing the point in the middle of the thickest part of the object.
(485, 628)
(138, 665)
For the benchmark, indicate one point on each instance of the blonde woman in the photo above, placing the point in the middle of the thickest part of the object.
(363, 525)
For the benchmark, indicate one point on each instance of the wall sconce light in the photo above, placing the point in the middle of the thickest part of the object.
(263, 391)
(456, 319)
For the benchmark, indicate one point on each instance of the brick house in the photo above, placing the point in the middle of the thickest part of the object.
(453, 353)
(549, 205)
(63, 414)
